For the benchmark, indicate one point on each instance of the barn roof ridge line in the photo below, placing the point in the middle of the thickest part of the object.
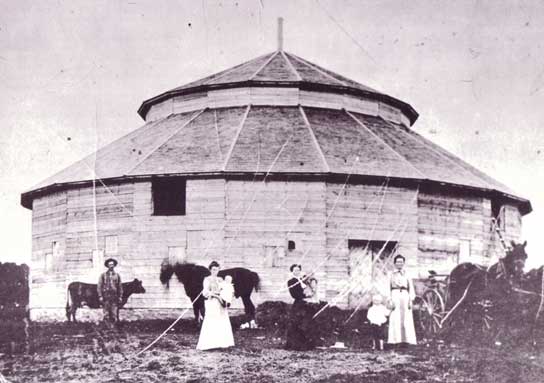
(235, 138)
(291, 65)
(404, 159)
(264, 65)
(314, 139)
(317, 68)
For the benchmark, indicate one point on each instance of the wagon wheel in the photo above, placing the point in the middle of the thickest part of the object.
(479, 317)
(430, 307)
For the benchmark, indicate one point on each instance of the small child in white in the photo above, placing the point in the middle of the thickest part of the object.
(227, 291)
(377, 316)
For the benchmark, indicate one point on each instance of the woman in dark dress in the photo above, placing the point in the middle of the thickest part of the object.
(300, 318)
(296, 284)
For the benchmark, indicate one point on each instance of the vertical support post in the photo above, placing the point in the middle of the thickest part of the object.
(280, 34)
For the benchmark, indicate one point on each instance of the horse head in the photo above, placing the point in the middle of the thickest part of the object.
(515, 258)
(167, 270)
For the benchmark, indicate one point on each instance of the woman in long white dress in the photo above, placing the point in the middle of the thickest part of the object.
(216, 331)
(401, 320)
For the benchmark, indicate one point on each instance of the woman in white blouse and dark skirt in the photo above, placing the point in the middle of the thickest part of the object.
(401, 320)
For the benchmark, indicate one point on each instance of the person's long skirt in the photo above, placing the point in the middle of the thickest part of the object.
(216, 331)
(401, 320)
(300, 327)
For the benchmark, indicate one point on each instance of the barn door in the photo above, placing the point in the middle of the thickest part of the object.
(369, 265)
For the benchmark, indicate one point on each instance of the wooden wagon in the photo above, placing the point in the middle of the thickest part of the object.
(474, 310)
(433, 312)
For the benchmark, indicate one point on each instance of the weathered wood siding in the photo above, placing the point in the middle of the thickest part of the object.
(512, 225)
(509, 225)
(114, 208)
(48, 226)
(249, 223)
(454, 229)
(124, 216)
(371, 213)
(444, 221)
(194, 237)
(65, 234)
(261, 217)
(278, 96)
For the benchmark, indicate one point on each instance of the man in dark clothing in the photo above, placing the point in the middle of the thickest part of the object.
(110, 291)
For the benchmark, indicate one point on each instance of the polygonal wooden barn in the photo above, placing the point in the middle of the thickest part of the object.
(273, 162)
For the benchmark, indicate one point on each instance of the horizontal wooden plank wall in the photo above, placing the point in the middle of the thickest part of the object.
(512, 228)
(200, 228)
(446, 220)
(357, 212)
(262, 217)
(48, 226)
(249, 223)
(143, 240)
(284, 96)
(114, 207)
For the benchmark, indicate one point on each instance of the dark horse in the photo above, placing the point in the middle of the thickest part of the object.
(480, 297)
(531, 300)
(192, 277)
(472, 280)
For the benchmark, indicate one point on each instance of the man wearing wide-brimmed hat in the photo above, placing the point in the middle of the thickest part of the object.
(110, 291)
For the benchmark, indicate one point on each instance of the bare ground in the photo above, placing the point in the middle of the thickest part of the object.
(86, 352)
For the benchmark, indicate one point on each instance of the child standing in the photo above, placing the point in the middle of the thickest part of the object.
(377, 316)
(227, 291)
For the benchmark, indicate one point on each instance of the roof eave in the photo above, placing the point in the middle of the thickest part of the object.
(523, 204)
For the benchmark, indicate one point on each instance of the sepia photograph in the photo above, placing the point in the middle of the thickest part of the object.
(271, 191)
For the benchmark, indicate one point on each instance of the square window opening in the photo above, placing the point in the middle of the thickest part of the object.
(291, 245)
(169, 196)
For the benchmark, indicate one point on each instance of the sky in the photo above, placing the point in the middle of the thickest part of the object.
(73, 73)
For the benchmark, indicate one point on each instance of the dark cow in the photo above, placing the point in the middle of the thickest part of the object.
(80, 294)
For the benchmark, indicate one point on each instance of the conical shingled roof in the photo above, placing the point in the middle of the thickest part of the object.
(277, 66)
(277, 139)
(282, 68)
